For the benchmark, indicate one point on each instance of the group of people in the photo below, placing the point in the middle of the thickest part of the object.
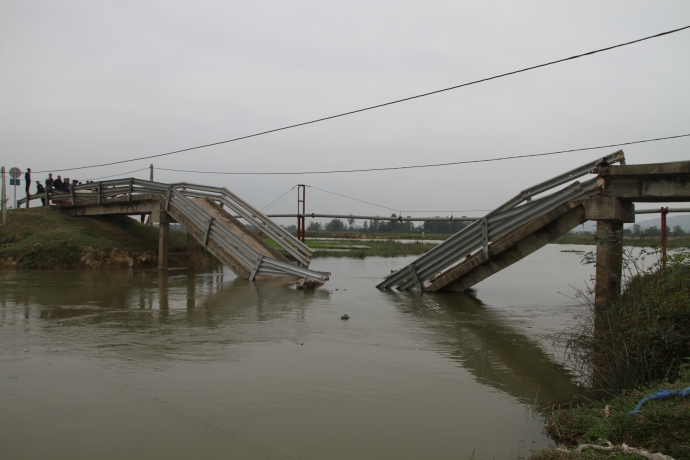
(59, 185)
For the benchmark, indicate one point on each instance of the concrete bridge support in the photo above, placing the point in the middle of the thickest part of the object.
(610, 213)
(163, 236)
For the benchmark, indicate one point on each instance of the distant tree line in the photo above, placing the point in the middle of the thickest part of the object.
(636, 230)
(387, 226)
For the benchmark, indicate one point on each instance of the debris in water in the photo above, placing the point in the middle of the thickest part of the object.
(306, 283)
(345, 317)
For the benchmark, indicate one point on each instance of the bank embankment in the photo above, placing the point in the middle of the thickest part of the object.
(633, 241)
(49, 239)
(626, 351)
(361, 249)
(662, 426)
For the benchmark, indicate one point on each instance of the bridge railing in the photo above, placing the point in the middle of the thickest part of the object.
(504, 219)
(300, 251)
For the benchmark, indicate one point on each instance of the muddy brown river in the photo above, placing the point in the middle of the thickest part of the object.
(141, 364)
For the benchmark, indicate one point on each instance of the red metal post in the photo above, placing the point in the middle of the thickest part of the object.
(301, 198)
(664, 211)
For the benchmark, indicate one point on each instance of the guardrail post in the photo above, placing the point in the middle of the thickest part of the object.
(99, 192)
(131, 183)
(208, 231)
(71, 192)
(167, 200)
(415, 277)
(256, 268)
(485, 236)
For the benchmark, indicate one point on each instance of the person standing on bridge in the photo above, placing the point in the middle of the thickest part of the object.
(27, 179)
(40, 189)
(49, 183)
(57, 183)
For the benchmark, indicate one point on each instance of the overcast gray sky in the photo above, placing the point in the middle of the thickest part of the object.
(85, 82)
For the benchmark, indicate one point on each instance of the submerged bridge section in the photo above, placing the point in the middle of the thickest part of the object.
(201, 211)
(527, 222)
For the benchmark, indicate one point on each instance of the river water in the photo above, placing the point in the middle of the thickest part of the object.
(198, 364)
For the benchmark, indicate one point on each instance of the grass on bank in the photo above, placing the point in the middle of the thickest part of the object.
(360, 250)
(638, 343)
(568, 238)
(634, 241)
(662, 426)
(39, 238)
(379, 236)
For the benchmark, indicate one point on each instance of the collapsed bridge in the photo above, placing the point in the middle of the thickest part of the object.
(539, 215)
(201, 210)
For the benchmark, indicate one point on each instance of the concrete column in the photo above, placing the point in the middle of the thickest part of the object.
(163, 234)
(609, 263)
(163, 292)
(191, 289)
(192, 250)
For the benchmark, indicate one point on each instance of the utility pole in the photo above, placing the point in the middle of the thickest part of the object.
(3, 198)
(664, 231)
(149, 218)
(301, 230)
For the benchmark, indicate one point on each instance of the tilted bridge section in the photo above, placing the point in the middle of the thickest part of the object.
(539, 215)
(201, 211)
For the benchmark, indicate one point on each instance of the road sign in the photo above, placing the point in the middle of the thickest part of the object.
(15, 173)
(15, 182)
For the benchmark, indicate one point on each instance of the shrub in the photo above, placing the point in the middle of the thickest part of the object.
(641, 338)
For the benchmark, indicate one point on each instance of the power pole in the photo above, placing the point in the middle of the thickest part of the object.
(3, 198)
(301, 198)
(149, 219)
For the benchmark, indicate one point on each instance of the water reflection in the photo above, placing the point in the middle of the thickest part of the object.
(181, 311)
(407, 376)
(486, 344)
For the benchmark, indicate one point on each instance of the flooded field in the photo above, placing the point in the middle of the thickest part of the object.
(198, 364)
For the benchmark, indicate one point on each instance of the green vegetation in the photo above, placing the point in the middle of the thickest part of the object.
(641, 338)
(640, 342)
(356, 235)
(38, 238)
(360, 250)
(376, 226)
(663, 426)
(628, 240)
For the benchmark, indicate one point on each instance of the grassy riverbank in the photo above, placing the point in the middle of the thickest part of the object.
(662, 426)
(639, 242)
(568, 238)
(47, 239)
(362, 249)
(637, 343)
(379, 236)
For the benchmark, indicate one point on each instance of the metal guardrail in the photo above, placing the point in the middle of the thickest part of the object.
(513, 214)
(179, 196)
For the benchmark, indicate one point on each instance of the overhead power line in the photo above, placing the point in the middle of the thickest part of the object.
(434, 165)
(397, 101)
(113, 175)
(277, 200)
(350, 198)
